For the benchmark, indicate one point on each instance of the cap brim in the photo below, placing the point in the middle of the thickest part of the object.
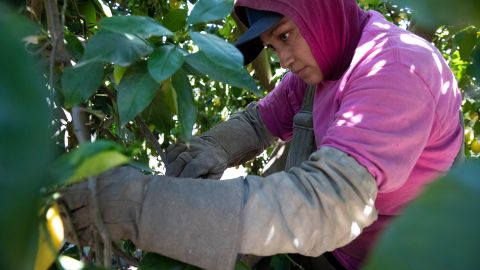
(249, 43)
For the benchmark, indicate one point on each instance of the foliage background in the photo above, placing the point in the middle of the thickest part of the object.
(137, 84)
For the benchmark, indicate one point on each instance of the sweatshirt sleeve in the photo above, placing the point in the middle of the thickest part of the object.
(384, 124)
(280, 105)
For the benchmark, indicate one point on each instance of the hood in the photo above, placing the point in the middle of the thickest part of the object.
(332, 28)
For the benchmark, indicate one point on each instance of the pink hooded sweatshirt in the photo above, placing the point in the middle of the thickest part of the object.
(389, 100)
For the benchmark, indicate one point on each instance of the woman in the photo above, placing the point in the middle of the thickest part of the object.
(386, 123)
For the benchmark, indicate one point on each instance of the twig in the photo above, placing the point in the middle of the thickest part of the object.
(41, 49)
(79, 129)
(78, 120)
(69, 225)
(84, 27)
(151, 138)
(35, 9)
(132, 261)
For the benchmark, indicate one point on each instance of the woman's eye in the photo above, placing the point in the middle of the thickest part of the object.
(284, 36)
(270, 47)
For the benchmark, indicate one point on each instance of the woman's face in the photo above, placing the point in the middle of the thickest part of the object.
(292, 49)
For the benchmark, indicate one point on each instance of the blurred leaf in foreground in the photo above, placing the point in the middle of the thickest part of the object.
(439, 230)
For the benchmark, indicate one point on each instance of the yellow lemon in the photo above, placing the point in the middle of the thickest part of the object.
(469, 135)
(48, 245)
(217, 101)
(473, 116)
(475, 146)
(175, 3)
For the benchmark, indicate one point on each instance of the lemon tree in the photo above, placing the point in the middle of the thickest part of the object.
(138, 70)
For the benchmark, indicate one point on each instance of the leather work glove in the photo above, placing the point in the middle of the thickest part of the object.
(204, 158)
(228, 144)
(316, 207)
(170, 216)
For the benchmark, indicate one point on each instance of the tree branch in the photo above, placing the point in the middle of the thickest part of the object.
(69, 227)
(151, 139)
(35, 9)
(59, 53)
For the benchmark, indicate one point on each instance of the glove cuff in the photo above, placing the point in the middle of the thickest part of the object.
(180, 221)
(242, 137)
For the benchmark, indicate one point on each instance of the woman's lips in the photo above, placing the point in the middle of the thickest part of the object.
(298, 72)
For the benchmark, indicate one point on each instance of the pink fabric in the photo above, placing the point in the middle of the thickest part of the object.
(332, 33)
(395, 110)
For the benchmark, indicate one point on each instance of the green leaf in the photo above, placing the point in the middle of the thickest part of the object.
(87, 9)
(439, 230)
(25, 144)
(218, 50)
(465, 40)
(209, 10)
(141, 26)
(443, 12)
(118, 72)
(176, 19)
(135, 92)
(164, 62)
(160, 112)
(152, 261)
(97, 164)
(74, 46)
(80, 83)
(88, 160)
(22, 26)
(120, 49)
(187, 112)
(234, 76)
(239, 265)
(280, 262)
(474, 68)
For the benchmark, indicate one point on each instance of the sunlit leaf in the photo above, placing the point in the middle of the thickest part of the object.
(141, 26)
(439, 230)
(175, 19)
(120, 49)
(209, 10)
(218, 49)
(135, 92)
(235, 76)
(88, 160)
(80, 83)
(164, 62)
(187, 112)
(97, 164)
(118, 72)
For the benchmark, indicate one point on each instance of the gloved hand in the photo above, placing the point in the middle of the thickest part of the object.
(319, 206)
(204, 158)
(230, 143)
(120, 195)
(176, 217)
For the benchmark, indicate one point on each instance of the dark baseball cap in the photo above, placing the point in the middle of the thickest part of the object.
(257, 21)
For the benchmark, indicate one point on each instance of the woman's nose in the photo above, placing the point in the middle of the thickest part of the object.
(286, 58)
